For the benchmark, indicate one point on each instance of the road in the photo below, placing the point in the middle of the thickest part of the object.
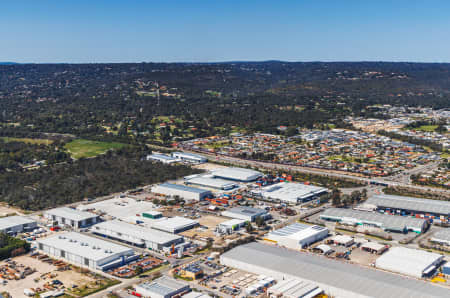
(329, 173)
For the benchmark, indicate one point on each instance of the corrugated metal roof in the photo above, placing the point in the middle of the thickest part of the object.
(386, 221)
(239, 174)
(410, 203)
(291, 191)
(183, 188)
(163, 286)
(143, 233)
(356, 279)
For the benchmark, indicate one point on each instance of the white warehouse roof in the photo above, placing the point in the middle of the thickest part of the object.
(237, 174)
(12, 221)
(174, 224)
(84, 246)
(409, 261)
(291, 192)
(211, 182)
(72, 214)
(137, 231)
(344, 279)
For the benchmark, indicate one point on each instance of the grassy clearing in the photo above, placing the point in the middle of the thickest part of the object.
(86, 148)
(426, 128)
(28, 140)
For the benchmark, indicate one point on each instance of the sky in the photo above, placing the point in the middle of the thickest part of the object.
(79, 31)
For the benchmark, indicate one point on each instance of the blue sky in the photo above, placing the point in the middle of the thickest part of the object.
(224, 30)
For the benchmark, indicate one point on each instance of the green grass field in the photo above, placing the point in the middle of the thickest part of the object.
(27, 140)
(86, 148)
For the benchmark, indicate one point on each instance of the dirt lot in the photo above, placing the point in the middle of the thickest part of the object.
(68, 278)
(208, 221)
(4, 210)
(208, 166)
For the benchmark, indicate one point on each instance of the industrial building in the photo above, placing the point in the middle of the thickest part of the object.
(246, 213)
(294, 288)
(290, 192)
(163, 287)
(136, 235)
(230, 226)
(184, 192)
(16, 224)
(338, 279)
(211, 183)
(122, 208)
(383, 221)
(400, 205)
(189, 157)
(162, 158)
(86, 251)
(442, 237)
(297, 236)
(413, 262)
(174, 225)
(237, 174)
(71, 217)
(374, 247)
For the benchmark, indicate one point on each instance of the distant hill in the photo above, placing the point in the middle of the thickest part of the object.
(8, 63)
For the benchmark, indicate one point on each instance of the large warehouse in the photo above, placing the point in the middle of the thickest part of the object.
(16, 224)
(245, 213)
(163, 287)
(184, 192)
(86, 251)
(291, 192)
(424, 208)
(297, 236)
(211, 183)
(338, 279)
(136, 235)
(189, 157)
(383, 221)
(442, 237)
(174, 225)
(237, 174)
(71, 217)
(413, 262)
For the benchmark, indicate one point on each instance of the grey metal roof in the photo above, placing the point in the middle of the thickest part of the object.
(163, 286)
(337, 274)
(410, 203)
(183, 188)
(295, 228)
(72, 214)
(442, 234)
(387, 221)
(246, 211)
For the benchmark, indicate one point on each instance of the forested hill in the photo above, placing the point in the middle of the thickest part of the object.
(81, 98)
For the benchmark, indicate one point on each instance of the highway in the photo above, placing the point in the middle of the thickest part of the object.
(390, 181)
